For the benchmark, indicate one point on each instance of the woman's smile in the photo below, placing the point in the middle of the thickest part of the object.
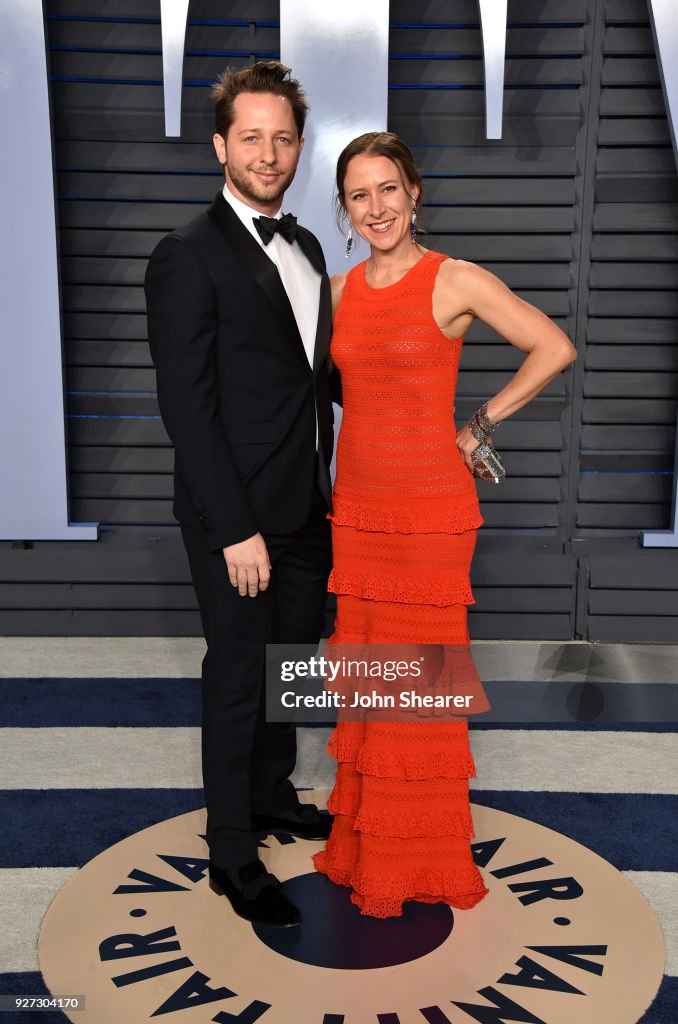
(382, 226)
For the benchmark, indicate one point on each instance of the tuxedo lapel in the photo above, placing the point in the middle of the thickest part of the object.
(324, 331)
(310, 246)
(311, 249)
(263, 268)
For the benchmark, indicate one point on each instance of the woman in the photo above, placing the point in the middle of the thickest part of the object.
(405, 519)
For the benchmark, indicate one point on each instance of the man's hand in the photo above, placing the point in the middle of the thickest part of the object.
(248, 566)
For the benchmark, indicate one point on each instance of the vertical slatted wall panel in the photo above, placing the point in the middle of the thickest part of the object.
(630, 391)
(631, 380)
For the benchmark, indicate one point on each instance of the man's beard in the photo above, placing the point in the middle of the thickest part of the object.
(259, 193)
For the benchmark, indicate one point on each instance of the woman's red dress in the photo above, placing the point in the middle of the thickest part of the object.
(404, 529)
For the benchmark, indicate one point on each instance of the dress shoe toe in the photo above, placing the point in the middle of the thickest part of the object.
(318, 827)
(255, 894)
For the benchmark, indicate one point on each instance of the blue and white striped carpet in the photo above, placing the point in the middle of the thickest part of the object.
(100, 739)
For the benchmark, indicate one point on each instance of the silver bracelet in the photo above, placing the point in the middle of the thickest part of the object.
(480, 424)
(486, 424)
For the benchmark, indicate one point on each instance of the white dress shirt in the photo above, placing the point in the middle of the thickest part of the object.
(300, 280)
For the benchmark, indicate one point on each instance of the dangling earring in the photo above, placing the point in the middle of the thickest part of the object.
(413, 224)
(349, 240)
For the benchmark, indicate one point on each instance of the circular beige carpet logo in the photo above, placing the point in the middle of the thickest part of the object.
(562, 936)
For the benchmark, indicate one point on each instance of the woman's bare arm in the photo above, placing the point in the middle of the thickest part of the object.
(469, 292)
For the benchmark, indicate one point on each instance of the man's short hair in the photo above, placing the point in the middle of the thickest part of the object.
(264, 76)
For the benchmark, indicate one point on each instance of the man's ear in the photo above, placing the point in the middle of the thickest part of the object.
(301, 143)
(219, 147)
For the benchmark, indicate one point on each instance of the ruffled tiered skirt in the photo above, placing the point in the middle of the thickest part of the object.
(403, 825)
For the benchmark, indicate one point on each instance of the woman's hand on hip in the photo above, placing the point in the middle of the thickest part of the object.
(467, 443)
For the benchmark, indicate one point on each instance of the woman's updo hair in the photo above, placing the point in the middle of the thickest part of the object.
(378, 144)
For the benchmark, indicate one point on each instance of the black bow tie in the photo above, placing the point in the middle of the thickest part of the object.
(285, 226)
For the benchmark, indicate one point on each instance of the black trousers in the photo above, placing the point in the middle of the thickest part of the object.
(246, 761)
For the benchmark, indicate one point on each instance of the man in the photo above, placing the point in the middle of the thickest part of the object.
(239, 319)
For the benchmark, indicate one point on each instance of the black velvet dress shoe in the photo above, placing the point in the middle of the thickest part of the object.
(314, 825)
(255, 894)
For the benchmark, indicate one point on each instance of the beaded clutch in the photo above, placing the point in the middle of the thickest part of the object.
(487, 463)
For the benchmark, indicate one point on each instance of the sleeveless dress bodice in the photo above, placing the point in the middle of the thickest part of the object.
(398, 375)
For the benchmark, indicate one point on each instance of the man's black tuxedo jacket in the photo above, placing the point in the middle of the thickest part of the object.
(236, 391)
